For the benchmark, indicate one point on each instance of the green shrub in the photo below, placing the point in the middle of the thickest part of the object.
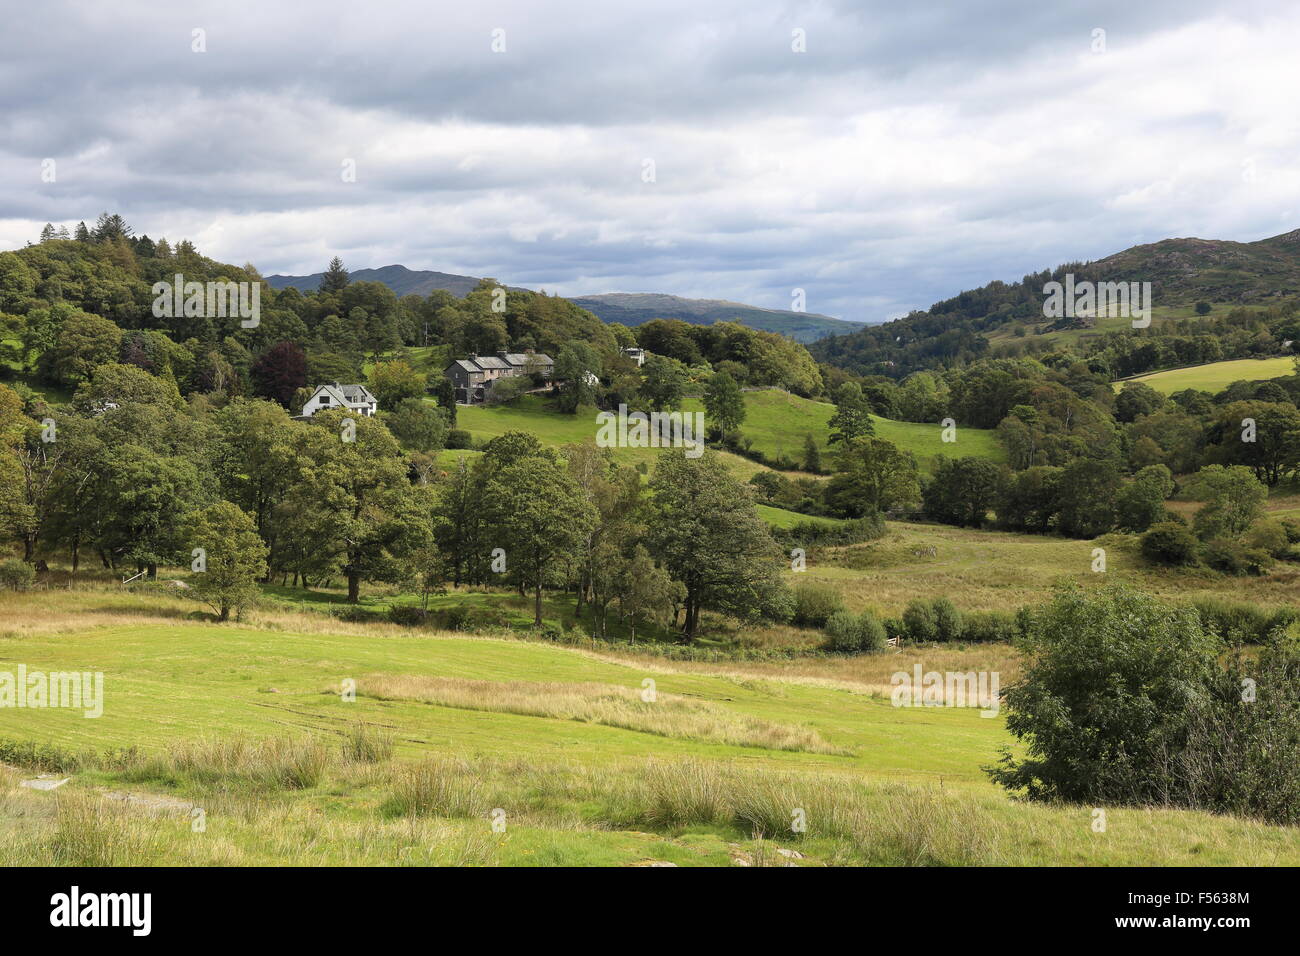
(471, 617)
(1110, 679)
(1234, 557)
(919, 621)
(850, 633)
(947, 620)
(355, 614)
(1240, 623)
(16, 574)
(815, 602)
(407, 615)
(1169, 543)
(507, 390)
(934, 620)
(982, 627)
(1268, 536)
(459, 438)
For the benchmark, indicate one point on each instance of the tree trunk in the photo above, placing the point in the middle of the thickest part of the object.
(537, 617)
(225, 612)
(354, 587)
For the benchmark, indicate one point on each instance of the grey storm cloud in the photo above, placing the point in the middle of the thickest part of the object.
(912, 151)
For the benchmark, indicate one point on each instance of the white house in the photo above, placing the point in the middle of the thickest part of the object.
(636, 355)
(356, 398)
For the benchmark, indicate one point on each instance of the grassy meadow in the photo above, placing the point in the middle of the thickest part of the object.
(775, 421)
(247, 727)
(1000, 571)
(1216, 376)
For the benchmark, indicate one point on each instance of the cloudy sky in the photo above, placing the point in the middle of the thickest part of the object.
(683, 146)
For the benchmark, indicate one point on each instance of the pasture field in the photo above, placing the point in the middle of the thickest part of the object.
(1216, 376)
(449, 733)
(1001, 571)
(539, 417)
(1160, 315)
(777, 423)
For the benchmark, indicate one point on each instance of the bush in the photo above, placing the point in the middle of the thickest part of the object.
(1234, 557)
(919, 621)
(805, 534)
(471, 617)
(1240, 623)
(983, 627)
(507, 390)
(1269, 536)
(850, 633)
(407, 615)
(459, 438)
(934, 620)
(354, 614)
(947, 620)
(1110, 680)
(1169, 543)
(815, 602)
(1124, 700)
(16, 574)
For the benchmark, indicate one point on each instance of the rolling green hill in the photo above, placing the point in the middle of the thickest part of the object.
(1183, 272)
(1216, 376)
(776, 421)
(539, 417)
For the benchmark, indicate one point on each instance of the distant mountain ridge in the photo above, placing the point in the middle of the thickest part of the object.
(634, 308)
(629, 308)
(401, 280)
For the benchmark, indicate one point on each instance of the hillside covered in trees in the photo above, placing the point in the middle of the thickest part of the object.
(1214, 300)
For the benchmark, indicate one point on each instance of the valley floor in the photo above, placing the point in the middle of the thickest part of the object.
(241, 744)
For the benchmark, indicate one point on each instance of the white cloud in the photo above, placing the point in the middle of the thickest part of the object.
(909, 154)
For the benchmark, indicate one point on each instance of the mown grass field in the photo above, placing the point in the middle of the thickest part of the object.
(246, 723)
(1217, 375)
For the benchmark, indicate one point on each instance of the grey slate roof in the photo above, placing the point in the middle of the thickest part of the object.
(356, 393)
(490, 361)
